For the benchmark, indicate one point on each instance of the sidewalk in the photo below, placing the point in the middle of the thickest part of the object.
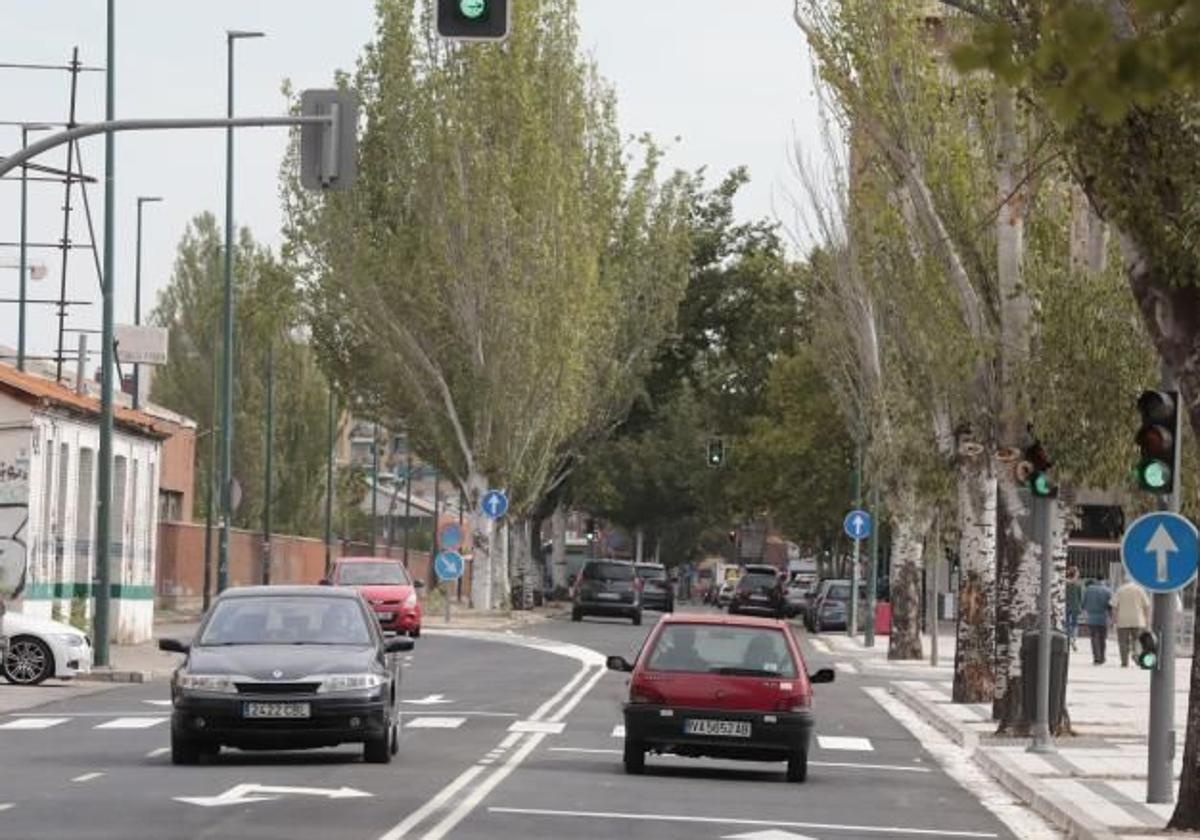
(1095, 785)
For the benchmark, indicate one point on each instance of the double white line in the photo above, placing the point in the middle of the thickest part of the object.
(481, 778)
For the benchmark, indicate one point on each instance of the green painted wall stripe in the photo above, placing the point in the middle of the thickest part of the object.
(49, 591)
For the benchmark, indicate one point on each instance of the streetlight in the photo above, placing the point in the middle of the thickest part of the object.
(137, 292)
(25, 129)
(231, 36)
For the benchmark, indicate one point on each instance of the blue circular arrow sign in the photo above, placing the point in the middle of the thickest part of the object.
(857, 524)
(1159, 551)
(448, 565)
(494, 504)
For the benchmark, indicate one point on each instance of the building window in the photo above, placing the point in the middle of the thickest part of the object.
(170, 506)
(133, 555)
(148, 528)
(116, 519)
(46, 537)
(83, 516)
(64, 460)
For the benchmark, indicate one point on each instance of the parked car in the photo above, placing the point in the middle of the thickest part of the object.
(286, 667)
(830, 607)
(725, 593)
(799, 598)
(387, 587)
(607, 587)
(39, 648)
(759, 591)
(728, 687)
(657, 591)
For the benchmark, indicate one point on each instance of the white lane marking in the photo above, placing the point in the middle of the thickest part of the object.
(433, 805)
(4, 806)
(435, 723)
(846, 667)
(483, 789)
(543, 726)
(768, 834)
(588, 751)
(545, 708)
(619, 731)
(431, 700)
(837, 742)
(509, 739)
(849, 765)
(889, 830)
(131, 723)
(958, 765)
(70, 715)
(156, 753)
(87, 777)
(33, 723)
(577, 698)
(819, 644)
(158, 702)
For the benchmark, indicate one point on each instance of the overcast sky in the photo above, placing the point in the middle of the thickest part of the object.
(729, 78)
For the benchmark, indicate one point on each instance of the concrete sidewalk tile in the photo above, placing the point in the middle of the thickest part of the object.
(1135, 792)
(1035, 764)
(1098, 807)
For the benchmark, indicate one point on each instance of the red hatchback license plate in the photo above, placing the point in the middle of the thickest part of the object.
(719, 728)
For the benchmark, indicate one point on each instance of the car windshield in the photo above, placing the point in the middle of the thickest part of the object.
(284, 620)
(756, 580)
(608, 571)
(838, 592)
(722, 649)
(368, 574)
(651, 573)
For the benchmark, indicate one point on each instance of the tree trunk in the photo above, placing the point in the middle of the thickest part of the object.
(558, 553)
(640, 545)
(974, 678)
(909, 526)
(1020, 575)
(521, 565)
(484, 594)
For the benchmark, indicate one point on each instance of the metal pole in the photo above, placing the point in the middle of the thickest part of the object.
(1160, 775)
(931, 586)
(329, 482)
(407, 496)
(852, 610)
(227, 382)
(437, 512)
(873, 569)
(1043, 514)
(137, 293)
(65, 242)
(374, 484)
(104, 472)
(23, 267)
(462, 506)
(212, 478)
(269, 476)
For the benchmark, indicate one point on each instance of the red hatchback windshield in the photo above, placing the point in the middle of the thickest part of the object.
(372, 574)
(722, 649)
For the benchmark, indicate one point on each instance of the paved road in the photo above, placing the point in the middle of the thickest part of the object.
(505, 736)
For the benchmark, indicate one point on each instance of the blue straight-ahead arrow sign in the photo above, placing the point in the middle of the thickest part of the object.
(1160, 550)
(494, 504)
(857, 524)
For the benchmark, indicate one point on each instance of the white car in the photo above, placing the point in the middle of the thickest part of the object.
(39, 648)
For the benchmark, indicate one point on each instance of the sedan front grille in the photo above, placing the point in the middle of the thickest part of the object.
(277, 687)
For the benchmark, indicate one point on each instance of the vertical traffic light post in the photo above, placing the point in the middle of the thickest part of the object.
(1037, 465)
(328, 121)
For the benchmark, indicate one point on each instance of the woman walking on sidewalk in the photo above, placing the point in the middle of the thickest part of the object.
(1096, 605)
(1074, 604)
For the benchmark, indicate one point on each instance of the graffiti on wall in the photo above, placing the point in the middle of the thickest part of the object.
(14, 517)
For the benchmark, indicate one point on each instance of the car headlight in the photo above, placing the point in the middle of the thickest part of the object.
(222, 683)
(349, 682)
(70, 639)
(411, 600)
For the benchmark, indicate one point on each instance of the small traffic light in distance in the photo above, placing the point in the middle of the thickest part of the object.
(1147, 655)
(474, 20)
(590, 531)
(716, 453)
(1039, 482)
(1156, 440)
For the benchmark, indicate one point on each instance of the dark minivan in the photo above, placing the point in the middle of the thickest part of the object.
(657, 593)
(607, 587)
(760, 590)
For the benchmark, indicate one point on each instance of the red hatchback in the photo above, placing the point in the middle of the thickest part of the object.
(386, 585)
(730, 687)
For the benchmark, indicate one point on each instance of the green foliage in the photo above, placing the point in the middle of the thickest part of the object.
(267, 311)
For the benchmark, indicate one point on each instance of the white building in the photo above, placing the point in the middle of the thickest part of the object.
(49, 440)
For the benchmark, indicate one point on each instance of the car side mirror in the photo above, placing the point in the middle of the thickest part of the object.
(618, 663)
(326, 582)
(825, 675)
(419, 584)
(398, 644)
(173, 646)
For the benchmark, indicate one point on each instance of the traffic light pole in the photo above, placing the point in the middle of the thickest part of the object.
(872, 570)
(1160, 776)
(852, 610)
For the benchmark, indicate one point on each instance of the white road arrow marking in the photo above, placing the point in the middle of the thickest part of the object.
(158, 702)
(1160, 546)
(244, 794)
(430, 700)
(771, 834)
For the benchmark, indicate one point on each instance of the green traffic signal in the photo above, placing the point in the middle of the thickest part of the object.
(472, 9)
(1154, 476)
(1147, 661)
(1040, 486)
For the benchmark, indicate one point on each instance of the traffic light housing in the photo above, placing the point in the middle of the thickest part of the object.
(474, 20)
(1157, 440)
(1147, 655)
(716, 453)
(1039, 481)
(590, 530)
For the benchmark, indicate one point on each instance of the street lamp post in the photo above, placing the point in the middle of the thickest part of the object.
(227, 381)
(137, 292)
(24, 267)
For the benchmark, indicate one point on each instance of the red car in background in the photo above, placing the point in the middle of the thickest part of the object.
(387, 587)
(730, 687)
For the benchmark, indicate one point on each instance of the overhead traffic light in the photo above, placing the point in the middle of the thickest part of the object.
(716, 453)
(473, 20)
(1156, 439)
(1147, 655)
(1039, 480)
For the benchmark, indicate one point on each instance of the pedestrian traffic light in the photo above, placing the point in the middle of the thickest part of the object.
(1039, 481)
(1147, 656)
(590, 530)
(1157, 440)
(473, 20)
(716, 453)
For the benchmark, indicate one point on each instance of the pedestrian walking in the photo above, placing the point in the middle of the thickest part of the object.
(1131, 611)
(1097, 602)
(1074, 603)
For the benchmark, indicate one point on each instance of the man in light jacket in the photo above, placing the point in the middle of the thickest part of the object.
(1097, 599)
(1131, 610)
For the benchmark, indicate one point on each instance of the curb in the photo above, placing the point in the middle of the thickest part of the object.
(116, 675)
(1063, 814)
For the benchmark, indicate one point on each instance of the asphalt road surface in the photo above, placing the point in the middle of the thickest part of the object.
(505, 735)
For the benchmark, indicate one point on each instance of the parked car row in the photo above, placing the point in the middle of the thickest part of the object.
(621, 589)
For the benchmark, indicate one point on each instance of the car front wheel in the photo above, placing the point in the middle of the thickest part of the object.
(378, 750)
(797, 767)
(636, 618)
(635, 756)
(29, 661)
(577, 614)
(184, 749)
